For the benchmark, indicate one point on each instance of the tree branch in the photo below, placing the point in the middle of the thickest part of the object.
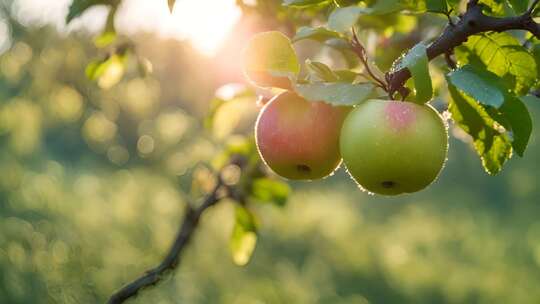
(473, 21)
(172, 259)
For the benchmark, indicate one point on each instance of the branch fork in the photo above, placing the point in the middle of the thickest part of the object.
(472, 22)
(190, 223)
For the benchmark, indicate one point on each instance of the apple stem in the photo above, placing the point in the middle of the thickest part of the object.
(360, 51)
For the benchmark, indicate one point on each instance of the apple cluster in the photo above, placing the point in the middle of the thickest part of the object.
(388, 147)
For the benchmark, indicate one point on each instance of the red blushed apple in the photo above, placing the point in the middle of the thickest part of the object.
(299, 139)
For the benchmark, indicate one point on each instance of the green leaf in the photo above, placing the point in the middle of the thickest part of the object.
(215, 104)
(320, 34)
(171, 5)
(339, 44)
(382, 7)
(344, 47)
(346, 75)
(519, 6)
(417, 62)
(321, 71)
(108, 36)
(270, 190)
(536, 54)
(78, 7)
(480, 85)
(486, 88)
(337, 93)
(232, 111)
(495, 151)
(107, 72)
(492, 145)
(503, 55)
(437, 6)
(494, 7)
(342, 19)
(105, 39)
(305, 3)
(236, 116)
(530, 99)
(244, 236)
(453, 4)
(270, 60)
(515, 111)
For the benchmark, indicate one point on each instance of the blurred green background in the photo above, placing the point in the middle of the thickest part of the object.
(93, 184)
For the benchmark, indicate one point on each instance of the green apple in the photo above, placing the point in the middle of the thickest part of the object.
(299, 139)
(392, 147)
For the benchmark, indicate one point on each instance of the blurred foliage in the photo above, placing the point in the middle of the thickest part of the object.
(94, 182)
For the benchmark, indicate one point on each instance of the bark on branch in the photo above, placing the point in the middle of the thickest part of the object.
(171, 260)
(473, 21)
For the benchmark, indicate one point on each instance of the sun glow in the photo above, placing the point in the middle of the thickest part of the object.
(205, 23)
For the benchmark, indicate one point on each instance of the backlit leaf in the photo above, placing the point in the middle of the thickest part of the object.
(438, 6)
(494, 7)
(321, 71)
(503, 55)
(315, 33)
(515, 111)
(244, 236)
(480, 85)
(343, 18)
(108, 36)
(492, 145)
(519, 6)
(305, 3)
(417, 62)
(232, 111)
(270, 60)
(382, 7)
(107, 72)
(270, 190)
(105, 39)
(337, 93)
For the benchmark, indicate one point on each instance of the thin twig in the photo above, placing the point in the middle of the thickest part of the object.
(360, 51)
(449, 17)
(172, 259)
(448, 58)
